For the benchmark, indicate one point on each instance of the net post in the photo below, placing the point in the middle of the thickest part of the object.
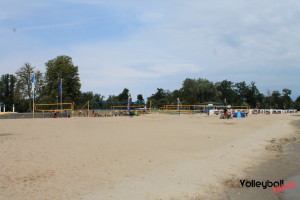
(88, 109)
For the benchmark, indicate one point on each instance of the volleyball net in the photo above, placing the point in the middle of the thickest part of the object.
(52, 107)
(117, 108)
(198, 109)
(189, 109)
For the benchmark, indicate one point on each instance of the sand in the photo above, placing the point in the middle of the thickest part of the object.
(148, 157)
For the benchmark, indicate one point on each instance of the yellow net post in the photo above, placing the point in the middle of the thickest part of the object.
(73, 110)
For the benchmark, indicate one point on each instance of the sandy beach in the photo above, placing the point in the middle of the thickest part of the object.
(148, 157)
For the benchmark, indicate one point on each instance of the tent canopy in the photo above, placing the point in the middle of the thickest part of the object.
(239, 114)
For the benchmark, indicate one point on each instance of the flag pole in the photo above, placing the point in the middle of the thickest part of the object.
(61, 97)
(32, 90)
(33, 104)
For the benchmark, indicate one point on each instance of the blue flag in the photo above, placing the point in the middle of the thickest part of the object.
(32, 78)
(60, 87)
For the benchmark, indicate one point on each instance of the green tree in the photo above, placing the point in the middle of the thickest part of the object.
(85, 97)
(92, 98)
(123, 96)
(112, 98)
(39, 85)
(158, 99)
(97, 98)
(276, 100)
(140, 98)
(63, 68)
(241, 90)
(7, 90)
(296, 103)
(253, 96)
(286, 99)
(176, 94)
(196, 91)
(189, 91)
(171, 97)
(24, 85)
(228, 95)
(267, 100)
(24, 90)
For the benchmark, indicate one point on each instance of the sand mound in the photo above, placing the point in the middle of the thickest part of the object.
(277, 144)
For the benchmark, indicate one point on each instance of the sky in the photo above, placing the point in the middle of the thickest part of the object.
(145, 45)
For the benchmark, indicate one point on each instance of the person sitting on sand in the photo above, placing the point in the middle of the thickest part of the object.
(225, 112)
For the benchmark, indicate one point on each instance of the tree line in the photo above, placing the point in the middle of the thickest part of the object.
(16, 89)
(199, 91)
